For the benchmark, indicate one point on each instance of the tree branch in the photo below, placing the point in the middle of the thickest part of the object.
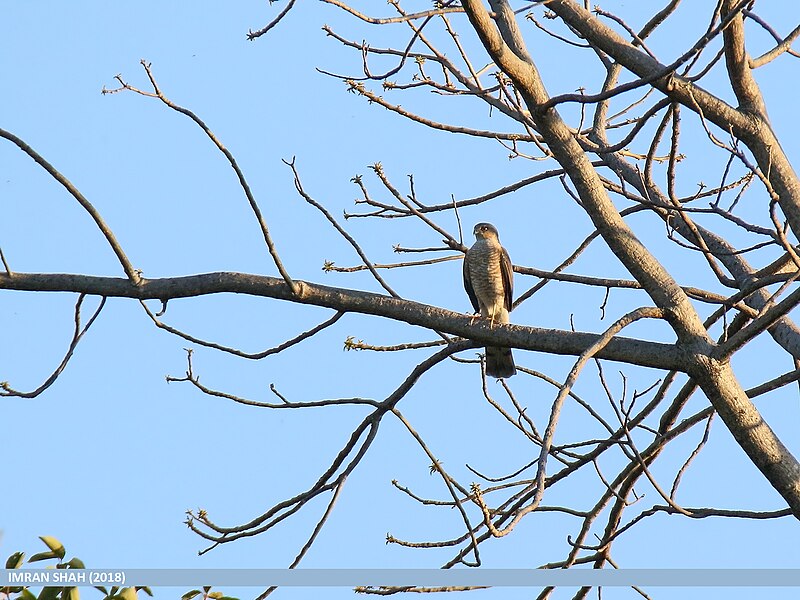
(133, 274)
(644, 353)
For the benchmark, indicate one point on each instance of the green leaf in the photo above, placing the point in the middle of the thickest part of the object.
(49, 593)
(15, 560)
(54, 545)
(76, 563)
(145, 589)
(42, 556)
(228, 598)
(27, 595)
(128, 593)
(190, 594)
(73, 594)
(102, 589)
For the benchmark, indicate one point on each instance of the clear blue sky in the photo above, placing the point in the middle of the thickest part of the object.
(110, 457)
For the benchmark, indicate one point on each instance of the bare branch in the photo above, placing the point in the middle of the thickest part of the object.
(133, 274)
(77, 335)
(253, 356)
(314, 534)
(299, 186)
(784, 45)
(655, 354)
(252, 35)
(5, 264)
(359, 88)
(401, 19)
(231, 160)
(343, 464)
(547, 438)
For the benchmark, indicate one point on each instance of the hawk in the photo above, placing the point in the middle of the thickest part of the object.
(489, 281)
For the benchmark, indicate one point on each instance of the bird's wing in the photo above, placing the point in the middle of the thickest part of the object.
(507, 272)
(468, 286)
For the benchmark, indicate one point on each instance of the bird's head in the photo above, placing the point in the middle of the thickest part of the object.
(485, 231)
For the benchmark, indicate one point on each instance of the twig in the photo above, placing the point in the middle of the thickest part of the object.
(692, 456)
(343, 464)
(299, 187)
(157, 93)
(77, 335)
(401, 19)
(547, 438)
(5, 264)
(314, 534)
(784, 45)
(254, 355)
(449, 482)
(359, 88)
(251, 35)
(191, 377)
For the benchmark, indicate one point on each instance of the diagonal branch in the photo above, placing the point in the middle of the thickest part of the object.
(655, 280)
(749, 124)
(715, 377)
(345, 462)
(252, 35)
(157, 93)
(132, 273)
(367, 263)
(547, 438)
(784, 45)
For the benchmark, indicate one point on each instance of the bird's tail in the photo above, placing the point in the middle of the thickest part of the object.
(499, 362)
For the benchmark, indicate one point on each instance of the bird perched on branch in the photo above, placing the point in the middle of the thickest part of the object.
(489, 281)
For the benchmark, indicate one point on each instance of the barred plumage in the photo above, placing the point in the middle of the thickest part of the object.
(489, 281)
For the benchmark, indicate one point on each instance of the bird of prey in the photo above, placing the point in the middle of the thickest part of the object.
(489, 281)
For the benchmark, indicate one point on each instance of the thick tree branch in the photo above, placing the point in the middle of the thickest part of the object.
(751, 127)
(644, 353)
(433, 63)
(736, 58)
(715, 377)
(655, 280)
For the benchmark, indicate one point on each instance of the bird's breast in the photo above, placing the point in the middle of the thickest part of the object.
(485, 270)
